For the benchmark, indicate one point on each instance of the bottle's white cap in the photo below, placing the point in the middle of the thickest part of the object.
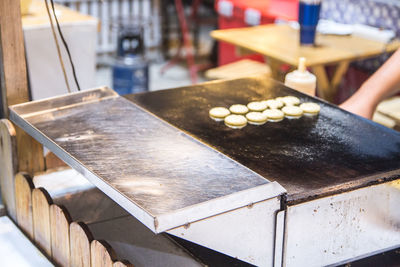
(302, 64)
(301, 79)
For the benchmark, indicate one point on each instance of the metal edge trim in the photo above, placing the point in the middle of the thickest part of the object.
(108, 94)
(375, 179)
(69, 94)
(219, 205)
(67, 106)
(279, 238)
(363, 256)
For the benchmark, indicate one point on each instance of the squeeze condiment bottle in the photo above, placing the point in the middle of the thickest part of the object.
(301, 79)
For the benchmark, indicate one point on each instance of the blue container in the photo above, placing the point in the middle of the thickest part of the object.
(130, 70)
(130, 75)
(308, 20)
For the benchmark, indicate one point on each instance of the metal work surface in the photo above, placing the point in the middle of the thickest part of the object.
(160, 175)
(310, 157)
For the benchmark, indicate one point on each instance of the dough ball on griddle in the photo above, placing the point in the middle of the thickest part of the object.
(256, 118)
(274, 114)
(219, 113)
(239, 109)
(291, 100)
(257, 106)
(292, 112)
(310, 108)
(235, 121)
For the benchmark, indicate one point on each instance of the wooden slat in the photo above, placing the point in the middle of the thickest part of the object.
(122, 264)
(8, 165)
(59, 226)
(80, 239)
(14, 85)
(23, 201)
(101, 254)
(41, 202)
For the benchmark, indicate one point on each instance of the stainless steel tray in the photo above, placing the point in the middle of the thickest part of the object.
(159, 174)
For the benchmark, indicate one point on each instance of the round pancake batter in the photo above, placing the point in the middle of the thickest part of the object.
(218, 113)
(235, 121)
(310, 108)
(292, 112)
(274, 115)
(256, 118)
(239, 109)
(257, 106)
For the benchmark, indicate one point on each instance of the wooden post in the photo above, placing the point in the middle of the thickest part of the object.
(41, 202)
(8, 166)
(101, 254)
(14, 83)
(122, 264)
(80, 238)
(13, 74)
(59, 227)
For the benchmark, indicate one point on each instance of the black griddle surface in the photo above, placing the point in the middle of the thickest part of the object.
(311, 157)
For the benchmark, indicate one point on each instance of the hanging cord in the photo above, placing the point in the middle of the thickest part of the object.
(65, 45)
(58, 47)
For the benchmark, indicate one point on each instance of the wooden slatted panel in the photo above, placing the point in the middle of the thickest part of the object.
(41, 202)
(23, 201)
(122, 264)
(59, 227)
(8, 166)
(101, 254)
(80, 239)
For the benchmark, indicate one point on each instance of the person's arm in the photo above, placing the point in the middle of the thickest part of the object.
(382, 84)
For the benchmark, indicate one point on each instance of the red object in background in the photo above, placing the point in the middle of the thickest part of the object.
(269, 11)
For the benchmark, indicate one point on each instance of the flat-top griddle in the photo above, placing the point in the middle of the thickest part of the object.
(310, 157)
(300, 192)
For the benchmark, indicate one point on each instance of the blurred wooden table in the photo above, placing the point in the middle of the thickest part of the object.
(280, 45)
